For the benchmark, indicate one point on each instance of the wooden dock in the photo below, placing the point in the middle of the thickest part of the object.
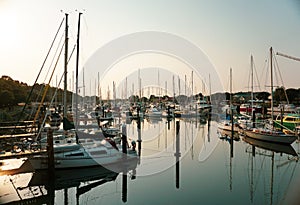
(25, 135)
(26, 153)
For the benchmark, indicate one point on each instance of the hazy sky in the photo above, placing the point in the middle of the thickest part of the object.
(227, 32)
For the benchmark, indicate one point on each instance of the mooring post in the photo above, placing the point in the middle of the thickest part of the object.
(281, 117)
(50, 151)
(124, 186)
(124, 139)
(177, 153)
(254, 119)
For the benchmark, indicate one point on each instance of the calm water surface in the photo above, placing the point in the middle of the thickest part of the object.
(190, 166)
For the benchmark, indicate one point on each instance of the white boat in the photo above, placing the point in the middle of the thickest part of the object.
(153, 112)
(226, 125)
(73, 155)
(270, 135)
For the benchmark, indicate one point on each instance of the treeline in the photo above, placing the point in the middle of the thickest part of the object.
(13, 92)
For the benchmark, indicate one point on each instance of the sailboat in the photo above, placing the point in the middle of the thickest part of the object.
(269, 134)
(228, 127)
(77, 155)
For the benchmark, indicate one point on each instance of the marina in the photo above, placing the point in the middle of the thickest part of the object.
(134, 108)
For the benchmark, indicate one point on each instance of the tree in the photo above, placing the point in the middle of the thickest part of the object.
(7, 98)
(279, 95)
(263, 95)
(293, 95)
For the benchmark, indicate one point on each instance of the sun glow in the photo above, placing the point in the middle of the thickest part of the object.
(9, 27)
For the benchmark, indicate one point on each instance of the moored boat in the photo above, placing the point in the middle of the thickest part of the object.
(289, 121)
(269, 135)
(73, 155)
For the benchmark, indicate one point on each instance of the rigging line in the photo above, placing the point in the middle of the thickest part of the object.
(255, 70)
(277, 66)
(54, 56)
(249, 79)
(31, 91)
(47, 87)
(267, 75)
(53, 97)
(58, 86)
(42, 85)
(264, 70)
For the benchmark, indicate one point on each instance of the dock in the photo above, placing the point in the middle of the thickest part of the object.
(22, 154)
(17, 136)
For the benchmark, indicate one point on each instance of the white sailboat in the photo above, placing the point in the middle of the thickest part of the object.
(227, 126)
(76, 154)
(267, 134)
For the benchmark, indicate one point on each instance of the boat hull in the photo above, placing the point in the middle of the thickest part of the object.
(277, 138)
(76, 156)
(276, 147)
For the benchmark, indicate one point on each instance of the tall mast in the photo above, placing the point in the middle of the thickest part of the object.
(209, 88)
(126, 88)
(185, 85)
(251, 59)
(230, 88)
(77, 64)
(98, 87)
(179, 86)
(271, 67)
(139, 83)
(66, 68)
(192, 85)
(173, 89)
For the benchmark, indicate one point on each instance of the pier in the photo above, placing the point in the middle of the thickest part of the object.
(22, 154)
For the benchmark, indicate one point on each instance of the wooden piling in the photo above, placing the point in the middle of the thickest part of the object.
(124, 139)
(50, 150)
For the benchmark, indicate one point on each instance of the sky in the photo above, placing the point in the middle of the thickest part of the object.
(226, 33)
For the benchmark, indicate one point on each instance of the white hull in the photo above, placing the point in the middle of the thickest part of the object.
(270, 137)
(81, 157)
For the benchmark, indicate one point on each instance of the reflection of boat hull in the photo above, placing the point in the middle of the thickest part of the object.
(270, 137)
(281, 148)
(72, 177)
(77, 156)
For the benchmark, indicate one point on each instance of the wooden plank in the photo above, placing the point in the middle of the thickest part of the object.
(18, 136)
(26, 153)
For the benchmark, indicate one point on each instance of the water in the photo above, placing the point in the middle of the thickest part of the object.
(192, 166)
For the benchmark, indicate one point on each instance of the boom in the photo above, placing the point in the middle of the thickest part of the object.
(287, 56)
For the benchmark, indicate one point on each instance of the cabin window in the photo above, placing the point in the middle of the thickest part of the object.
(75, 154)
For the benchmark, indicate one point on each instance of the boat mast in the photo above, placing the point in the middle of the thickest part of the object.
(230, 87)
(66, 68)
(209, 89)
(192, 86)
(251, 85)
(271, 67)
(77, 62)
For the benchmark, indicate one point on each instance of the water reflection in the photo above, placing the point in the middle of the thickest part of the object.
(277, 168)
(240, 171)
(40, 186)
